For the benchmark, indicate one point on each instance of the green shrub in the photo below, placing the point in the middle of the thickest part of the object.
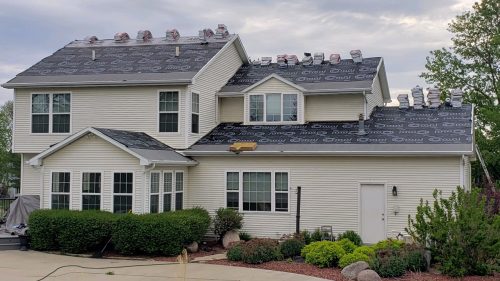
(366, 250)
(244, 236)
(260, 250)
(348, 259)
(353, 236)
(323, 253)
(70, 231)
(414, 257)
(389, 244)
(316, 235)
(235, 252)
(388, 263)
(164, 233)
(347, 245)
(291, 248)
(225, 220)
(304, 236)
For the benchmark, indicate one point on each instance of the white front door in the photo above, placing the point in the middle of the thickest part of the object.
(372, 213)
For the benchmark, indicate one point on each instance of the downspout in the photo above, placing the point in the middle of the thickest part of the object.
(146, 170)
(365, 104)
(462, 174)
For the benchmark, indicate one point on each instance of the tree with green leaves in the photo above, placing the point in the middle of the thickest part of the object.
(10, 163)
(473, 65)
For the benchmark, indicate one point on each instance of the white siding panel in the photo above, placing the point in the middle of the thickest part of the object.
(330, 188)
(375, 98)
(273, 85)
(30, 177)
(231, 109)
(333, 107)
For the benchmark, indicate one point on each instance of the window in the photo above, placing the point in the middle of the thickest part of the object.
(60, 190)
(91, 191)
(167, 191)
(179, 188)
(261, 191)
(195, 113)
(122, 192)
(154, 185)
(169, 112)
(275, 107)
(173, 188)
(50, 111)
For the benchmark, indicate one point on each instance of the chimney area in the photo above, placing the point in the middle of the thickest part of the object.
(361, 125)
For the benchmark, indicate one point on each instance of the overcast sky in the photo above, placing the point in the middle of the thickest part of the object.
(403, 32)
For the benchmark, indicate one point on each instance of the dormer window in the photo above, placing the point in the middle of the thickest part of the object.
(273, 107)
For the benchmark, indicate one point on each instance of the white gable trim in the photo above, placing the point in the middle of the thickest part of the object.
(382, 77)
(275, 76)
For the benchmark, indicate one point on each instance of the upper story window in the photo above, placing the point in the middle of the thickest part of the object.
(195, 113)
(169, 112)
(51, 113)
(273, 107)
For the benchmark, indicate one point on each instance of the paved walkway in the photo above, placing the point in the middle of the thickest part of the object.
(31, 266)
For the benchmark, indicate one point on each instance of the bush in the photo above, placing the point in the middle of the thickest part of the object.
(414, 257)
(353, 236)
(291, 248)
(305, 236)
(163, 234)
(260, 250)
(235, 252)
(365, 250)
(352, 258)
(323, 253)
(70, 231)
(225, 220)
(316, 236)
(389, 244)
(388, 263)
(347, 245)
(244, 236)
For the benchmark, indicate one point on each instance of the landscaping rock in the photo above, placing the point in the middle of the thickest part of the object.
(368, 275)
(351, 271)
(193, 247)
(230, 237)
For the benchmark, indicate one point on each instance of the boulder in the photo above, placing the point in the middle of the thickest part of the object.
(351, 271)
(230, 237)
(368, 275)
(193, 247)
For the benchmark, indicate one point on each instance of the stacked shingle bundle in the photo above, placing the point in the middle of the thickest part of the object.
(265, 61)
(418, 97)
(404, 103)
(173, 35)
(456, 97)
(356, 55)
(221, 31)
(319, 57)
(281, 60)
(307, 60)
(433, 97)
(292, 59)
(334, 59)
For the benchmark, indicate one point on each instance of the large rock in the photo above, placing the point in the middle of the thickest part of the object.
(193, 247)
(351, 271)
(230, 237)
(368, 275)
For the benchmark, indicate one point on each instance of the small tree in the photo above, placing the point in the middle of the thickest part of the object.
(10, 163)
(226, 220)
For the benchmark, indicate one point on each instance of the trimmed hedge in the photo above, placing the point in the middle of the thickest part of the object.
(352, 258)
(352, 236)
(323, 253)
(291, 248)
(260, 250)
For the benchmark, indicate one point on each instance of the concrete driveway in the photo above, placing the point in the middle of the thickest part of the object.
(32, 266)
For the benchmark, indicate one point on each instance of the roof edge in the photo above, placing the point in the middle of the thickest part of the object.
(328, 153)
(175, 82)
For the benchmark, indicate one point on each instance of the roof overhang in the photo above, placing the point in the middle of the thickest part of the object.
(382, 77)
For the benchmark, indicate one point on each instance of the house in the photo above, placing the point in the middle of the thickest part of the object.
(165, 123)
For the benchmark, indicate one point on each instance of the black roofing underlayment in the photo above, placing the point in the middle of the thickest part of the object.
(345, 71)
(158, 58)
(136, 140)
(387, 125)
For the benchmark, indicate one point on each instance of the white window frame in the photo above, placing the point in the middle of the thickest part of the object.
(179, 111)
(159, 193)
(81, 188)
(193, 112)
(264, 95)
(60, 193)
(175, 191)
(122, 194)
(273, 190)
(51, 113)
(171, 192)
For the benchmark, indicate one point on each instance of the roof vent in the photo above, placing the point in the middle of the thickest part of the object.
(265, 61)
(205, 34)
(334, 59)
(356, 56)
(221, 32)
(121, 37)
(91, 39)
(172, 34)
(307, 60)
(404, 103)
(361, 125)
(319, 57)
(144, 35)
(282, 60)
(292, 59)
(433, 97)
(456, 97)
(418, 97)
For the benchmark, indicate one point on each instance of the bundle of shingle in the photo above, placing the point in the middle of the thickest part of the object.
(404, 103)
(456, 97)
(292, 59)
(307, 60)
(334, 59)
(418, 97)
(265, 61)
(433, 97)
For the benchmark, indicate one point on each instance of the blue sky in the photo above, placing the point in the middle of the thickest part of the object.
(403, 32)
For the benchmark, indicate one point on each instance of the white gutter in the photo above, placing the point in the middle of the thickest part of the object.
(325, 153)
(99, 83)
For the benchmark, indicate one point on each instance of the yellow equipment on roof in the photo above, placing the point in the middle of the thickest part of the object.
(243, 146)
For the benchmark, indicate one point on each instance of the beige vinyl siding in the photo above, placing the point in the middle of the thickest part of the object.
(374, 98)
(231, 109)
(126, 108)
(330, 188)
(208, 83)
(30, 176)
(93, 154)
(467, 173)
(333, 107)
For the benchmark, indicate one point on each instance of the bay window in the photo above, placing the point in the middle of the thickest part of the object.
(273, 107)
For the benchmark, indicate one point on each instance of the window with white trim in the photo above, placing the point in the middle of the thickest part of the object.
(154, 185)
(273, 107)
(173, 191)
(168, 180)
(169, 111)
(195, 113)
(51, 113)
(258, 191)
(61, 186)
(91, 191)
(122, 192)
(179, 190)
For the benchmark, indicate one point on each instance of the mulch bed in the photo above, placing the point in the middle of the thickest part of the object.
(334, 273)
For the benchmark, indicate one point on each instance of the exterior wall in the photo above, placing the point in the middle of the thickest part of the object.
(333, 107)
(127, 108)
(230, 109)
(467, 173)
(207, 84)
(330, 188)
(375, 98)
(30, 177)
